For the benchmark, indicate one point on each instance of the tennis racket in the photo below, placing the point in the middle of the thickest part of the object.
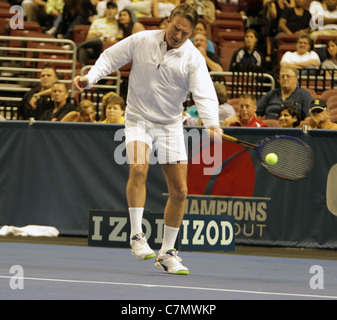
(295, 157)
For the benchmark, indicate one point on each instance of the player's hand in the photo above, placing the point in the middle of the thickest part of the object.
(80, 83)
(215, 134)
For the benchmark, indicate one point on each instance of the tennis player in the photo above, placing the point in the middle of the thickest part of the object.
(165, 65)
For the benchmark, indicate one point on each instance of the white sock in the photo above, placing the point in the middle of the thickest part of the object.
(169, 239)
(136, 217)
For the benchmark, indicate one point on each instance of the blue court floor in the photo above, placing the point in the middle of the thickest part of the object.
(51, 271)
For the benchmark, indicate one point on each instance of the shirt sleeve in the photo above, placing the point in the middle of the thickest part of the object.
(111, 60)
(204, 96)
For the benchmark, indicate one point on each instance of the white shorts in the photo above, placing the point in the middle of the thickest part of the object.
(166, 140)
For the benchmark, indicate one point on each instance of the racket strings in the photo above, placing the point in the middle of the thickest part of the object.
(295, 158)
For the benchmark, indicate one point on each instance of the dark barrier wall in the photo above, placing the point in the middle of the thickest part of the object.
(53, 173)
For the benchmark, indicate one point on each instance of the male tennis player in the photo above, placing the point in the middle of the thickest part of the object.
(165, 66)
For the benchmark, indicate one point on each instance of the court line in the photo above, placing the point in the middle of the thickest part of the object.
(175, 287)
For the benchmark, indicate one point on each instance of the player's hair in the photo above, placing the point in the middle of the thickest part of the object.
(187, 12)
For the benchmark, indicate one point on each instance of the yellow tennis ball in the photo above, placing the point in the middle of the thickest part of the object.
(271, 159)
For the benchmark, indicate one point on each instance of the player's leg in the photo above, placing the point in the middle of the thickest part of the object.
(136, 194)
(176, 179)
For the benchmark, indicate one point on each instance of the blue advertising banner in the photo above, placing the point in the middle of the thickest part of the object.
(197, 233)
(53, 173)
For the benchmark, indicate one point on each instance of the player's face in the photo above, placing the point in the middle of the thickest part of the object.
(179, 30)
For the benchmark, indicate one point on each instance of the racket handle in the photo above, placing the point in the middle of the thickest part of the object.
(231, 139)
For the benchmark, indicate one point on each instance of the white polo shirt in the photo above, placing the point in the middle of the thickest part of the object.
(160, 79)
(293, 57)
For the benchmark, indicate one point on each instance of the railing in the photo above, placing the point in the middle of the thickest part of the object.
(238, 83)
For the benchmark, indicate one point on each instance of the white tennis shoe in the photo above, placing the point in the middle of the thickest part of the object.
(140, 248)
(171, 263)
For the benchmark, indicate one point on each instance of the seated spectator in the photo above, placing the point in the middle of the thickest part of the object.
(37, 100)
(86, 113)
(126, 25)
(141, 8)
(113, 108)
(35, 10)
(101, 30)
(331, 56)
(324, 20)
(248, 58)
(163, 8)
(288, 93)
(201, 27)
(191, 117)
(289, 116)
(61, 106)
(75, 12)
(205, 9)
(101, 6)
(212, 60)
(303, 57)
(295, 20)
(54, 8)
(270, 14)
(319, 116)
(246, 116)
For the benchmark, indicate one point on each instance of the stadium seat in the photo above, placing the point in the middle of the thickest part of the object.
(150, 22)
(328, 93)
(228, 15)
(274, 123)
(226, 53)
(230, 37)
(226, 25)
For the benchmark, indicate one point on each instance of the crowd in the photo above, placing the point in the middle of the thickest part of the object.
(111, 21)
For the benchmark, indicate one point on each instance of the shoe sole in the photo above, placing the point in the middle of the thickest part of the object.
(179, 272)
(148, 257)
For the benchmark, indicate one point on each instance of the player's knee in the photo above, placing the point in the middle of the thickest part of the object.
(179, 193)
(138, 172)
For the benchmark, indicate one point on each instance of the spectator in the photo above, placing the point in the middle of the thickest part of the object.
(288, 93)
(289, 116)
(75, 12)
(205, 9)
(201, 27)
(320, 116)
(126, 25)
(113, 108)
(35, 10)
(59, 95)
(191, 116)
(246, 116)
(303, 57)
(212, 60)
(295, 20)
(331, 56)
(248, 58)
(270, 15)
(54, 8)
(324, 20)
(163, 8)
(101, 30)
(141, 8)
(101, 6)
(37, 100)
(85, 113)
